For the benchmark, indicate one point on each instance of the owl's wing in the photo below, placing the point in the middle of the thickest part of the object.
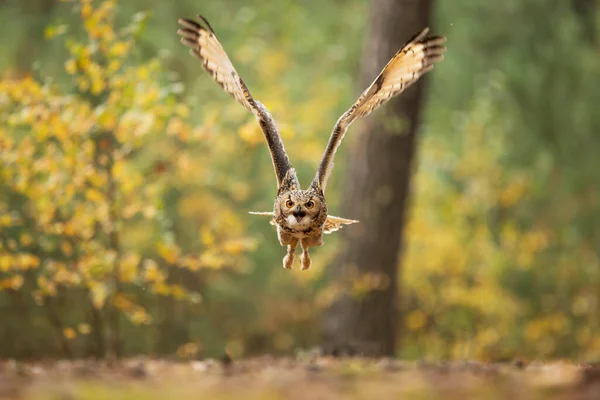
(333, 224)
(413, 60)
(206, 47)
(267, 213)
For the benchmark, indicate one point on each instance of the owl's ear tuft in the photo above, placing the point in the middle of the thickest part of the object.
(289, 182)
(316, 187)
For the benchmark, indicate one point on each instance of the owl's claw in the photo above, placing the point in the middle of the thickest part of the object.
(288, 261)
(305, 260)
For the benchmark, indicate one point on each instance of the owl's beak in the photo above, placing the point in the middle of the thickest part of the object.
(299, 214)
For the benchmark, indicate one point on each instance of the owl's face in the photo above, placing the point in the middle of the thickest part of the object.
(300, 209)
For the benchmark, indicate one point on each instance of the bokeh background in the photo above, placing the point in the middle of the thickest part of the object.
(126, 176)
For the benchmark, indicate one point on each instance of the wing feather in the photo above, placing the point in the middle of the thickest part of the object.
(413, 60)
(333, 224)
(205, 46)
(266, 213)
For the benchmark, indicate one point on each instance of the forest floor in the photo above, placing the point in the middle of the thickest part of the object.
(273, 378)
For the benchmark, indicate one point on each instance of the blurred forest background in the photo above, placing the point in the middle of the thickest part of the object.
(126, 176)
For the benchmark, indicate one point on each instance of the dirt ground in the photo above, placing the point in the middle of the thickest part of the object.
(273, 378)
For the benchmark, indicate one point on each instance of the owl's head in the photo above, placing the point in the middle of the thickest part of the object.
(301, 208)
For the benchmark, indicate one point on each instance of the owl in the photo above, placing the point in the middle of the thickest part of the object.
(301, 216)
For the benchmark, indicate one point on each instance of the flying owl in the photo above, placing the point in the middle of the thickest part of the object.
(301, 216)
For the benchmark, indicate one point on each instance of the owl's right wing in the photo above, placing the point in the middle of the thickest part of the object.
(413, 60)
(206, 47)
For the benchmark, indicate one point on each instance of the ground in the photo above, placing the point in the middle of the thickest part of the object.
(273, 378)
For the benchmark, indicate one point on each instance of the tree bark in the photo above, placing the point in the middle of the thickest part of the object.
(586, 11)
(376, 191)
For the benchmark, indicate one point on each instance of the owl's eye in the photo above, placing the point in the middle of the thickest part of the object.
(310, 204)
(289, 203)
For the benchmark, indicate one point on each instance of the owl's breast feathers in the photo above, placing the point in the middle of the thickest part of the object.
(332, 224)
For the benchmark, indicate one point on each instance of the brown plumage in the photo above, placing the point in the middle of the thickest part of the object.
(301, 216)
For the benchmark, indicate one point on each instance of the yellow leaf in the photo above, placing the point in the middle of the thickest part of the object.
(139, 316)
(129, 267)
(175, 126)
(71, 66)
(169, 252)
(16, 282)
(50, 32)
(26, 239)
(86, 10)
(83, 84)
(189, 350)
(98, 86)
(118, 169)
(97, 179)
(94, 195)
(28, 261)
(211, 260)
(152, 273)
(98, 295)
(84, 329)
(66, 248)
(206, 237)
(119, 49)
(237, 246)
(70, 333)
(5, 220)
(46, 287)
(416, 320)
(114, 66)
(182, 110)
(177, 292)
(143, 73)
(69, 229)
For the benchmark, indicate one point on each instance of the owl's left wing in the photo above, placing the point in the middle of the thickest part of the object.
(413, 60)
(333, 224)
(206, 47)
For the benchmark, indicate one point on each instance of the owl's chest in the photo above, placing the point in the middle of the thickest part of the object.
(303, 233)
(314, 228)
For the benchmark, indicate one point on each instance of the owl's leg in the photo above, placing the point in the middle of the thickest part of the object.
(305, 258)
(288, 260)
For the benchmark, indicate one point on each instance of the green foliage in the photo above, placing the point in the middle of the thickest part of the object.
(502, 256)
(81, 217)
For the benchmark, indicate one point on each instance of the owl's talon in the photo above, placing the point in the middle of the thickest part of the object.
(305, 260)
(288, 261)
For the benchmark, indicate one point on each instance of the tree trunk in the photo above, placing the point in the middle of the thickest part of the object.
(365, 319)
(586, 11)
